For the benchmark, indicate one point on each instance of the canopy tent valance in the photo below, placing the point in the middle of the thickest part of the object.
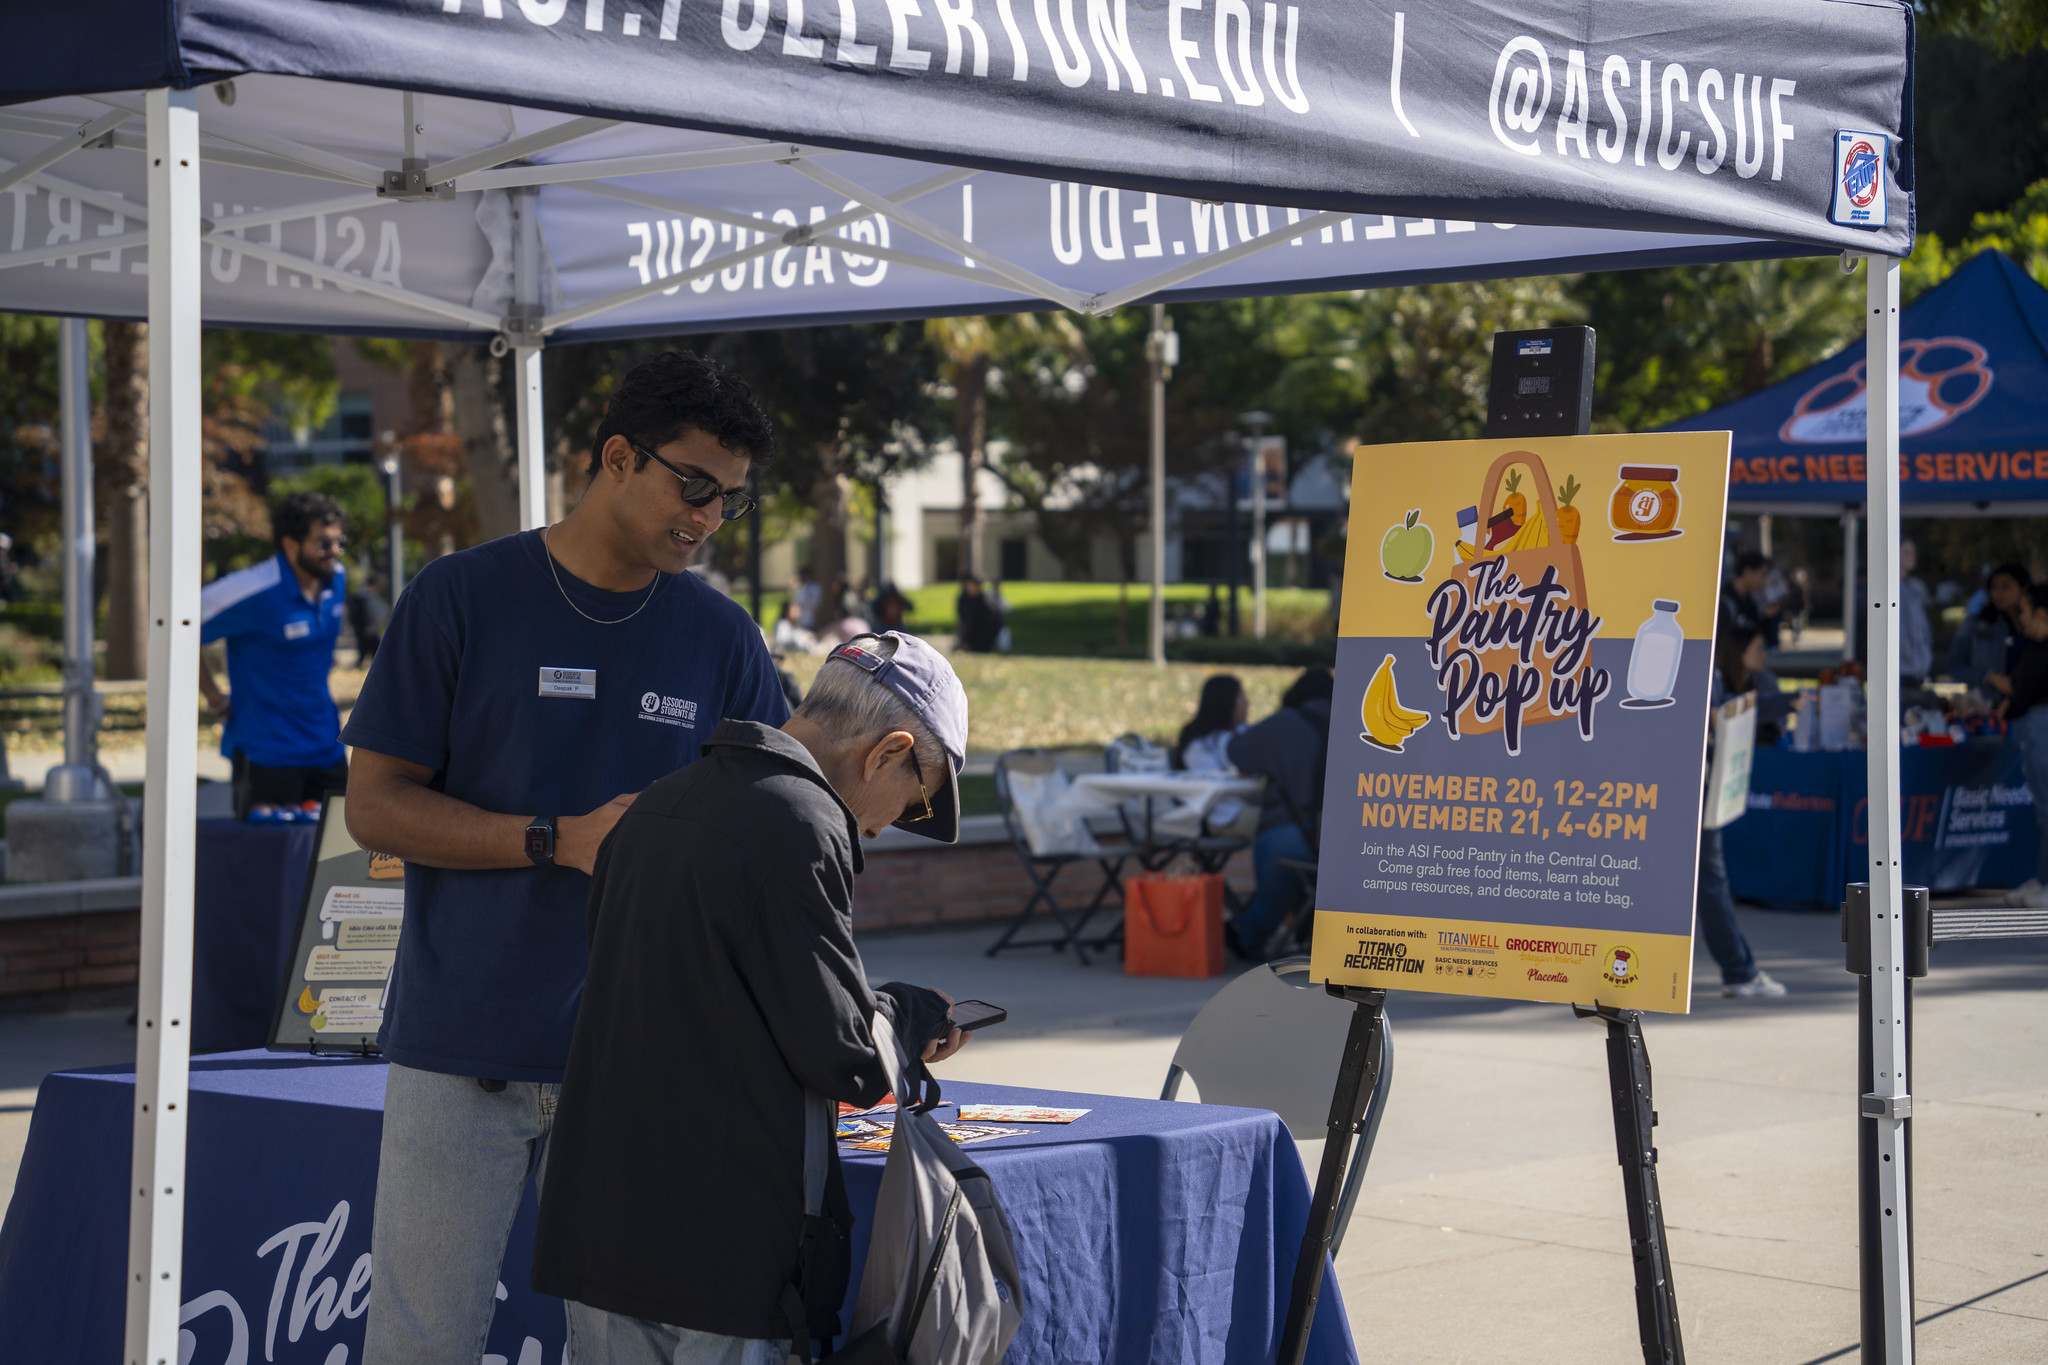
(1973, 415)
(535, 169)
(747, 163)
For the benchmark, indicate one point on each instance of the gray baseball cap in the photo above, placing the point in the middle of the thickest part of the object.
(925, 680)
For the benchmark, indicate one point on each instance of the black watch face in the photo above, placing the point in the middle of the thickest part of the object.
(540, 842)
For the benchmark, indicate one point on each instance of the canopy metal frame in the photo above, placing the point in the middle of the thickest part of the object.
(175, 234)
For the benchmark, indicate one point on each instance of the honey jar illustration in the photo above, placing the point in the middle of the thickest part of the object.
(1645, 503)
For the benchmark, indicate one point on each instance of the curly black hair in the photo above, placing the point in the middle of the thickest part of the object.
(680, 391)
(298, 513)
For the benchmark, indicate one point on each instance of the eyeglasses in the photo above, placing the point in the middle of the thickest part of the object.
(699, 490)
(907, 818)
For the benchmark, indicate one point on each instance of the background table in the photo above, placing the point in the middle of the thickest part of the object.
(249, 883)
(1965, 813)
(1146, 1232)
(1195, 795)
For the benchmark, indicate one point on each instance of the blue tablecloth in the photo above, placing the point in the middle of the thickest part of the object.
(247, 888)
(1965, 813)
(1147, 1232)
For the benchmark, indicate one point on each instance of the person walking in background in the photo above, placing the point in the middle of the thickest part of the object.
(281, 619)
(1916, 629)
(805, 592)
(367, 613)
(978, 624)
(1740, 606)
(1987, 643)
(1739, 657)
(1290, 749)
(2026, 718)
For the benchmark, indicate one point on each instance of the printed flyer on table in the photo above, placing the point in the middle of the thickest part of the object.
(1518, 737)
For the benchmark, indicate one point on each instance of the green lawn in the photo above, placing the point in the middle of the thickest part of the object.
(1080, 619)
(1024, 702)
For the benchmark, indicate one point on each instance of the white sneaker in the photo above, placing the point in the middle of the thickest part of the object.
(1762, 984)
(2025, 892)
(2036, 899)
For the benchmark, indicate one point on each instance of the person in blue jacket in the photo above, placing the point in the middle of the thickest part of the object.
(524, 694)
(280, 619)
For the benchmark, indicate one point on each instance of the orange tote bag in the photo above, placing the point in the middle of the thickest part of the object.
(1173, 926)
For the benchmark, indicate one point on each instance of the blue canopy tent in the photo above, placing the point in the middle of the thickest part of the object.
(531, 171)
(1973, 410)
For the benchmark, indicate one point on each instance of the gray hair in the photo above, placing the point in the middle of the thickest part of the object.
(847, 703)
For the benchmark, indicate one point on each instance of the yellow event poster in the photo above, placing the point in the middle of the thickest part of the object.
(1518, 738)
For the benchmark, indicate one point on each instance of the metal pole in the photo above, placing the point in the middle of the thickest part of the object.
(393, 531)
(754, 547)
(1850, 609)
(156, 1226)
(1258, 538)
(77, 779)
(533, 465)
(1887, 937)
(1157, 353)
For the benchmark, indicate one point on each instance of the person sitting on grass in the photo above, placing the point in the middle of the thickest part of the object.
(2026, 719)
(1290, 750)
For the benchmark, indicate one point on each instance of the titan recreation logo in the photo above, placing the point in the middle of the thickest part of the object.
(1940, 379)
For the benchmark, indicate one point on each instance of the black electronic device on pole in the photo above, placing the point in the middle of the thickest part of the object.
(1876, 1294)
(1628, 1085)
(1357, 1075)
(1542, 383)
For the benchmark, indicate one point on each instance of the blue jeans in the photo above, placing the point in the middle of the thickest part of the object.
(1279, 888)
(453, 1166)
(600, 1338)
(1717, 914)
(2031, 731)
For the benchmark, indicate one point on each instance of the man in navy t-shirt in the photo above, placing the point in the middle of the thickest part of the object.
(524, 692)
(280, 619)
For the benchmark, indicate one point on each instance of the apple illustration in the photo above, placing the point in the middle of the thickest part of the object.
(1407, 548)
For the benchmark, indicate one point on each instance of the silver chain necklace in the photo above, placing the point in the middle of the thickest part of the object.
(557, 575)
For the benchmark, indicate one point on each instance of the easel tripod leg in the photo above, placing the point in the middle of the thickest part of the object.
(1356, 1076)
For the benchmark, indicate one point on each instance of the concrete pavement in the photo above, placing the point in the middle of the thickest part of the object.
(1491, 1227)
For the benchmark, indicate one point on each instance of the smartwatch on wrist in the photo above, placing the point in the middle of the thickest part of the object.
(540, 841)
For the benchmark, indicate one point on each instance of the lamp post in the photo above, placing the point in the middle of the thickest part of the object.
(1258, 422)
(1162, 349)
(391, 526)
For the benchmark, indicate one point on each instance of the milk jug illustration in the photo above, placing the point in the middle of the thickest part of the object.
(1653, 666)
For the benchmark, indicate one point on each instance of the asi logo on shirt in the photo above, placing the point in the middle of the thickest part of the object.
(668, 710)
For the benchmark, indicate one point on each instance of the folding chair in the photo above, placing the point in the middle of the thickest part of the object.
(1043, 867)
(1272, 1040)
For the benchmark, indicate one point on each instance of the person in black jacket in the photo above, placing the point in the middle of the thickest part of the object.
(723, 985)
(1289, 749)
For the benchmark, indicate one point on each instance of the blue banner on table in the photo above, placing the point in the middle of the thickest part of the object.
(1967, 820)
(1149, 1233)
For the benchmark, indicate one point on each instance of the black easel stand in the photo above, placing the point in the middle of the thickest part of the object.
(1628, 1083)
(1364, 1051)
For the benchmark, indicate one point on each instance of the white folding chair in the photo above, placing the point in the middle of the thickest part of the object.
(1272, 1040)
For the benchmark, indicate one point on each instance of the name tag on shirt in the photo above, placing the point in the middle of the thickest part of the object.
(569, 682)
(297, 630)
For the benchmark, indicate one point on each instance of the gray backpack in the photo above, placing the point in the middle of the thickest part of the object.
(941, 1285)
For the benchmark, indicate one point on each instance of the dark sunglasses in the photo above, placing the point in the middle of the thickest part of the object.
(700, 490)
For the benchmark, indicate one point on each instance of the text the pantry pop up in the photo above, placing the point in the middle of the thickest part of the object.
(1518, 738)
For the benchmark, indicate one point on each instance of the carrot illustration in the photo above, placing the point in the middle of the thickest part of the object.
(1568, 515)
(1516, 502)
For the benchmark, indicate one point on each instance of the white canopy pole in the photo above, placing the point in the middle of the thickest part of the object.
(526, 382)
(1850, 520)
(1887, 900)
(156, 1225)
(78, 778)
(1157, 352)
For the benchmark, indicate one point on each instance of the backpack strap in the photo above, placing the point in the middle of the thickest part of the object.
(820, 1114)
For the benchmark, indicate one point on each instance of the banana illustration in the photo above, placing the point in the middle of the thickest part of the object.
(1387, 723)
(1533, 535)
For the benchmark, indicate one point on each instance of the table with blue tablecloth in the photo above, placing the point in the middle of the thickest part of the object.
(1146, 1231)
(1966, 816)
(248, 885)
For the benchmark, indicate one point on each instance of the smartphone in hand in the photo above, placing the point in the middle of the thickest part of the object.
(974, 1014)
